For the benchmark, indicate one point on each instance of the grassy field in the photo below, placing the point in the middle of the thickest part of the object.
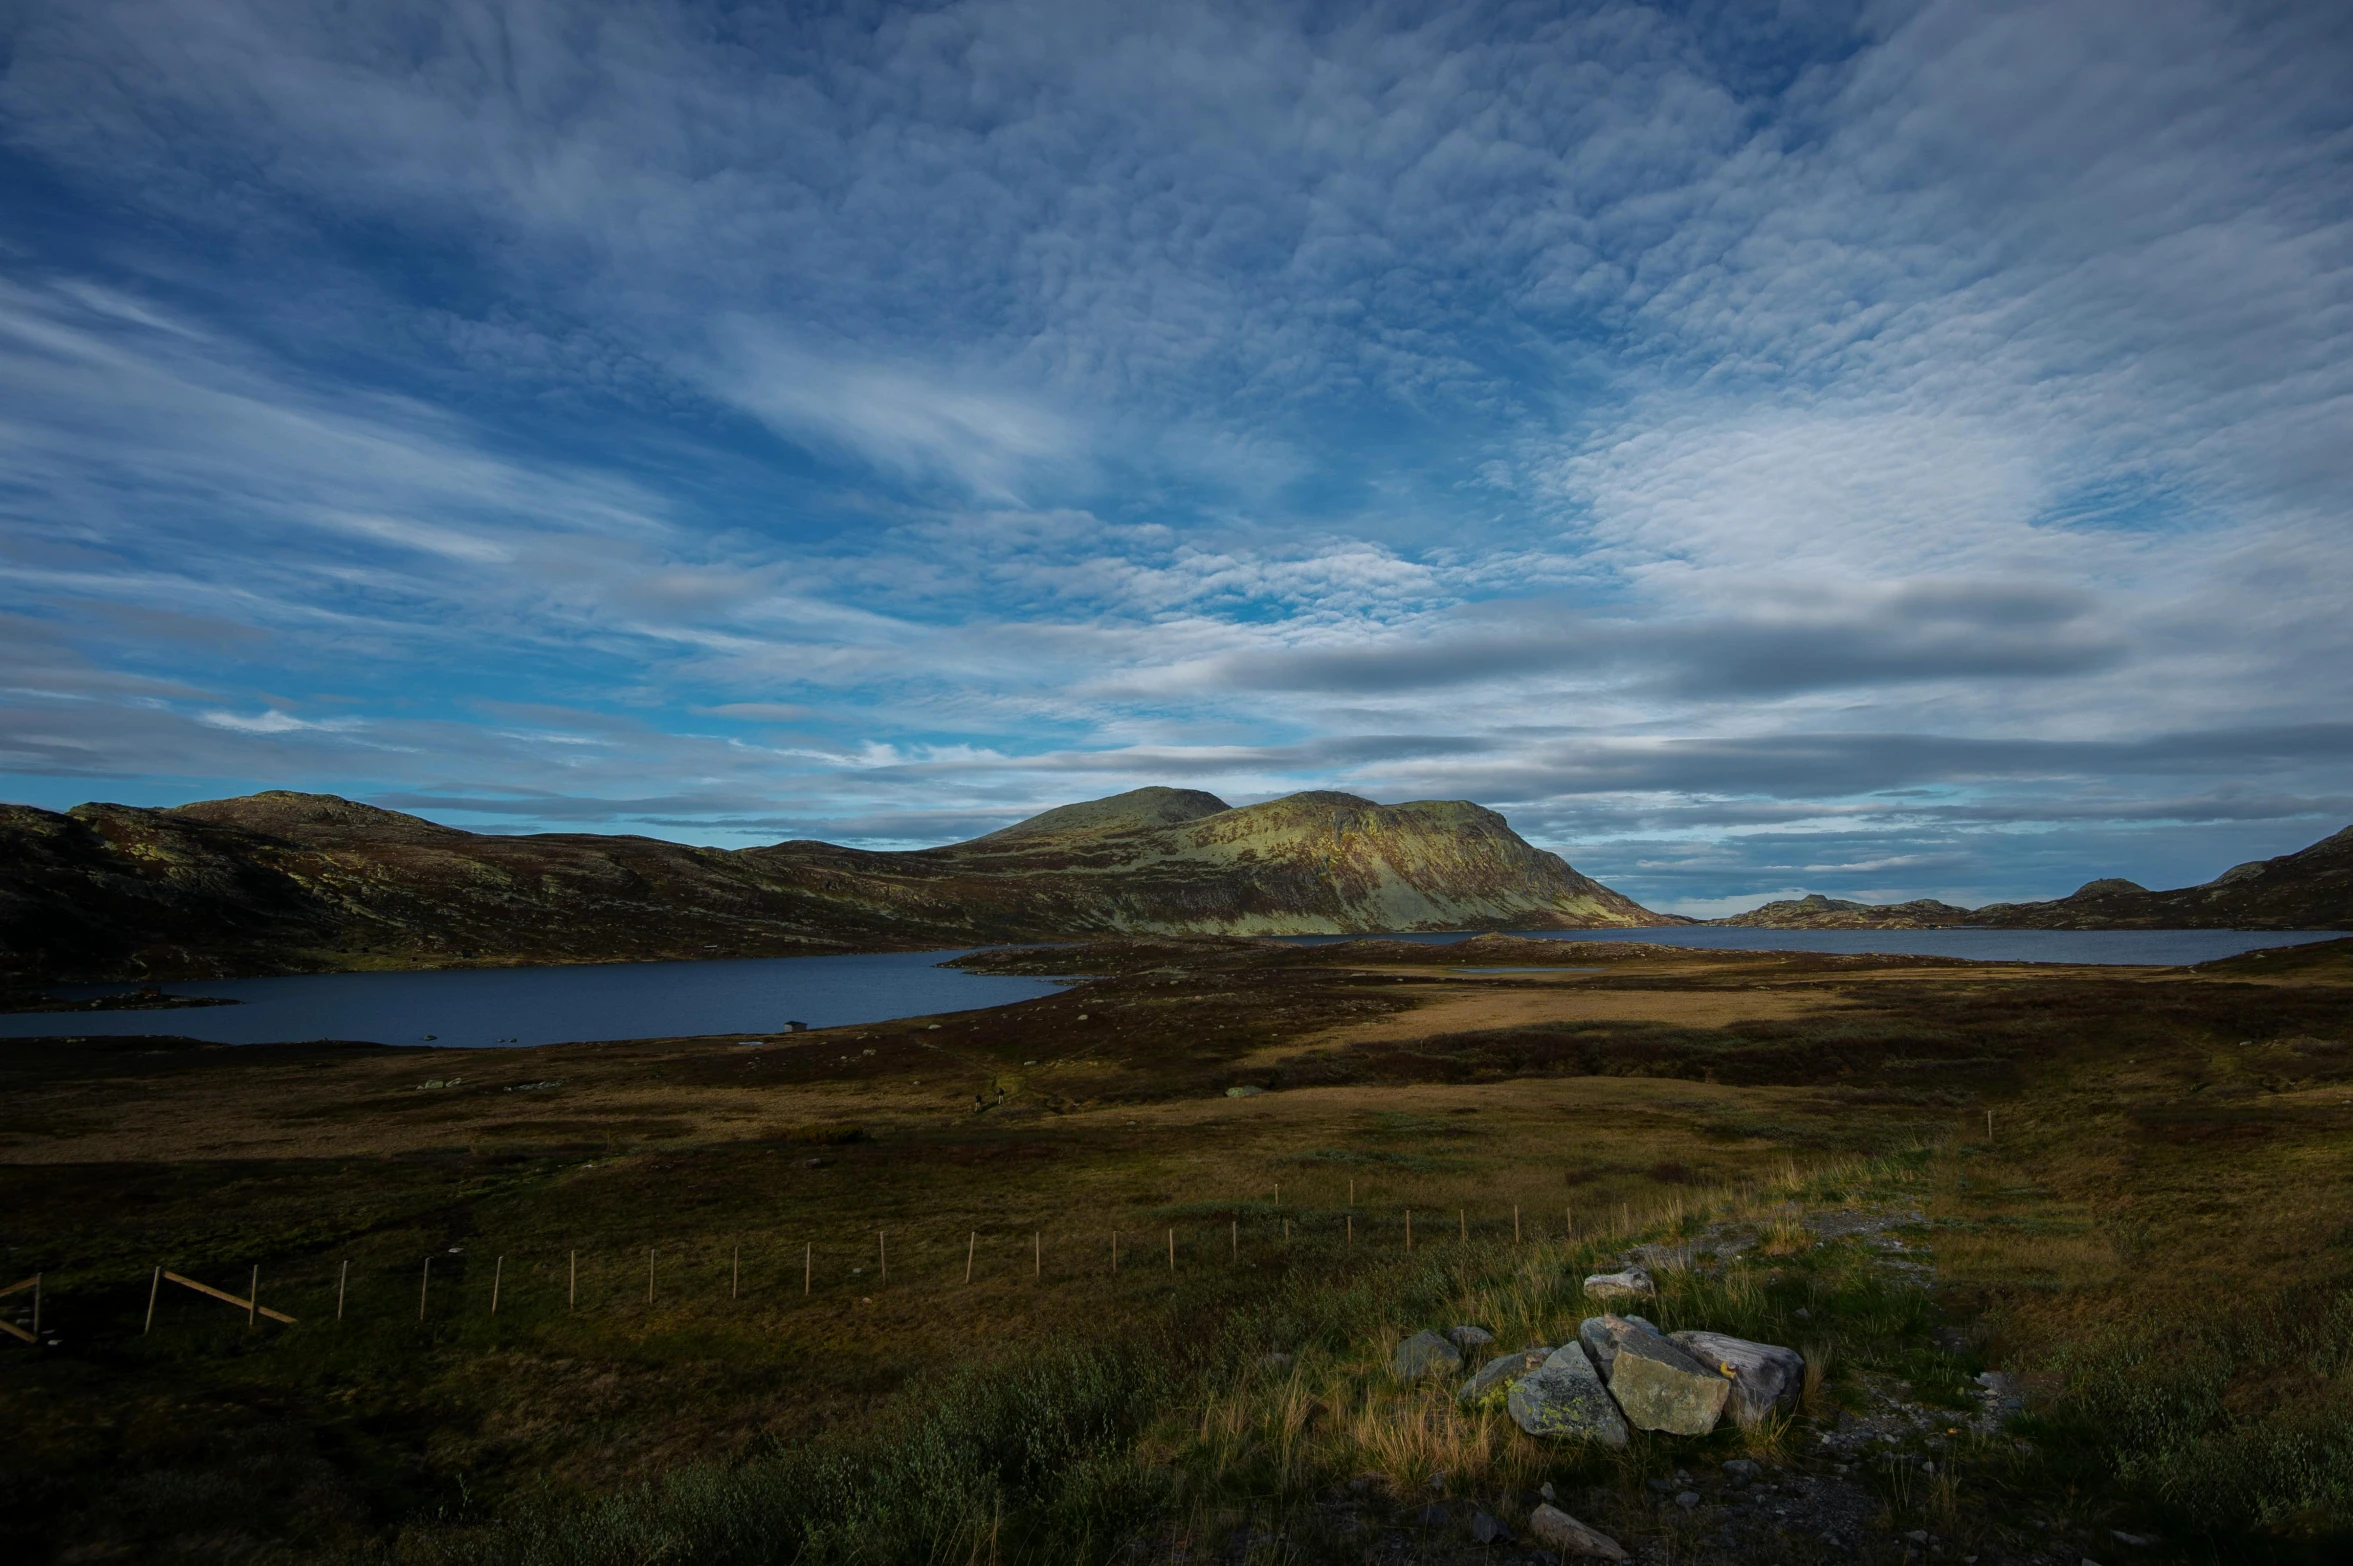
(696, 1354)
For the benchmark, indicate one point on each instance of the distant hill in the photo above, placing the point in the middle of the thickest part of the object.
(2311, 889)
(1816, 912)
(284, 882)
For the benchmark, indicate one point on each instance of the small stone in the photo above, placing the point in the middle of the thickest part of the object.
(1496, 1376)
(1486, 1530)
(1546, 1490)
(1687, 1499)
(1613, 1285)
(1469, 1339)
(1661, 1387)
(1918, 1536)
(1565, 1397)
(1766, 1378)
(1599, 1335)
(1421, 1355)
(1564, 1533)
(1742, 1470)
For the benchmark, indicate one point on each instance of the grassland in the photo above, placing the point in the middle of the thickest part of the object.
(2151, 1237)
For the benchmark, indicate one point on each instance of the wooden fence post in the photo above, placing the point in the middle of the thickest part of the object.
(572, 1284)
(342, 1282)
(649, 1275)
(154, 1285)
(252, 1302)
(423, 1285)
(1234, 1238)
(1037, 1246)
(882, 1248)
(1409, 1231)
(498, 1272)
(808, 1254)
(1172, 1252)
(1515, 1224)
(1462, 1218)
(971, 1241)
(735, 1275)
(1115, 1251)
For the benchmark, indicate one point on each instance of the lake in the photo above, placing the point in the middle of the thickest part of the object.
(2156, 948)
(472, 1008)
(467, 1008)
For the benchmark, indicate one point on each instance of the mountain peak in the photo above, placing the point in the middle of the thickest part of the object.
(1139, 809)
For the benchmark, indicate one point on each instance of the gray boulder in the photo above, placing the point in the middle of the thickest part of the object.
(1469, 1339)
(1766, 1378)
(1661, 1387)
(1558, 1530)
(1564, 1397)
(1499, 1373)
(1423, 1354)
(1597, 1333)
(1629, 1284)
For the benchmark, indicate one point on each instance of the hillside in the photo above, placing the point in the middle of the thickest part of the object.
(2311, 889)
(1816, 912)
(284, 882)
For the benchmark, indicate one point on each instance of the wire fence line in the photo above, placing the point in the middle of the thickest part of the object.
(779, 1267)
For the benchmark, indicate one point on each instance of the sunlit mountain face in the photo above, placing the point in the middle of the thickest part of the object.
(1889, 452)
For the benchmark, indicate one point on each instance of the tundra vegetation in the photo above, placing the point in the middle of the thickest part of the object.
(696, 1354)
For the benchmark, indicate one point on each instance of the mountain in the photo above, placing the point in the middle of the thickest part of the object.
(2311, 889)
(1816, 912)
(283, 882)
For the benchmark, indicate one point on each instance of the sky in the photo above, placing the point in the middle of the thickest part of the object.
(1882, 449)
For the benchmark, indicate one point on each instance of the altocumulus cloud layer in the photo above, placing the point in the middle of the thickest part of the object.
(1888, 449)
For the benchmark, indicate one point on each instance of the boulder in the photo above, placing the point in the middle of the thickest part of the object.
(1558, 1530)
(1661, 1387)
(1766, 1378)
(1564, 1396)
(1597, 1333)
(1422, 1354)
(1499, 1373)
(1469, 1339)
(1620, 1285)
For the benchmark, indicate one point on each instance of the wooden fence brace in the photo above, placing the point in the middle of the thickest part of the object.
(342, 1282)
(423, 1284)
(11, 1328)
(252, 1300)
(498, 1272)
(972, 1241)
(154, 1287)
(222, 1295)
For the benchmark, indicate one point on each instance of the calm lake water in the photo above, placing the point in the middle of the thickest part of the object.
(2160, 948)
(474, 1007)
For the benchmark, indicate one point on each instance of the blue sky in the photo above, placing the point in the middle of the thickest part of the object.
(1882, 449)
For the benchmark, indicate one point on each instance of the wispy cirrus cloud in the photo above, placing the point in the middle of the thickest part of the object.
(1916, 425)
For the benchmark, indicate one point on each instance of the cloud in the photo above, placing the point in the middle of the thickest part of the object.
(1918, 427)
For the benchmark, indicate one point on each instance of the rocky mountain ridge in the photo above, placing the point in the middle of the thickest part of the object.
(283, 882)
(2310, 889)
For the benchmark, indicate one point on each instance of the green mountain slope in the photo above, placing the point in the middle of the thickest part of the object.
(286, 882)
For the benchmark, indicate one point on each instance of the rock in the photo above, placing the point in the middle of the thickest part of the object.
(1469, 1339)
(1619, 1285)
(1742, 1471)
(1661, 1387)
(1597, 1333)
(1564, 1533)
(1766, 1378)
(1564, 1397)
(1422, 1354)
(1499, 1373)
(1687, 1499)
(1486, 1530)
